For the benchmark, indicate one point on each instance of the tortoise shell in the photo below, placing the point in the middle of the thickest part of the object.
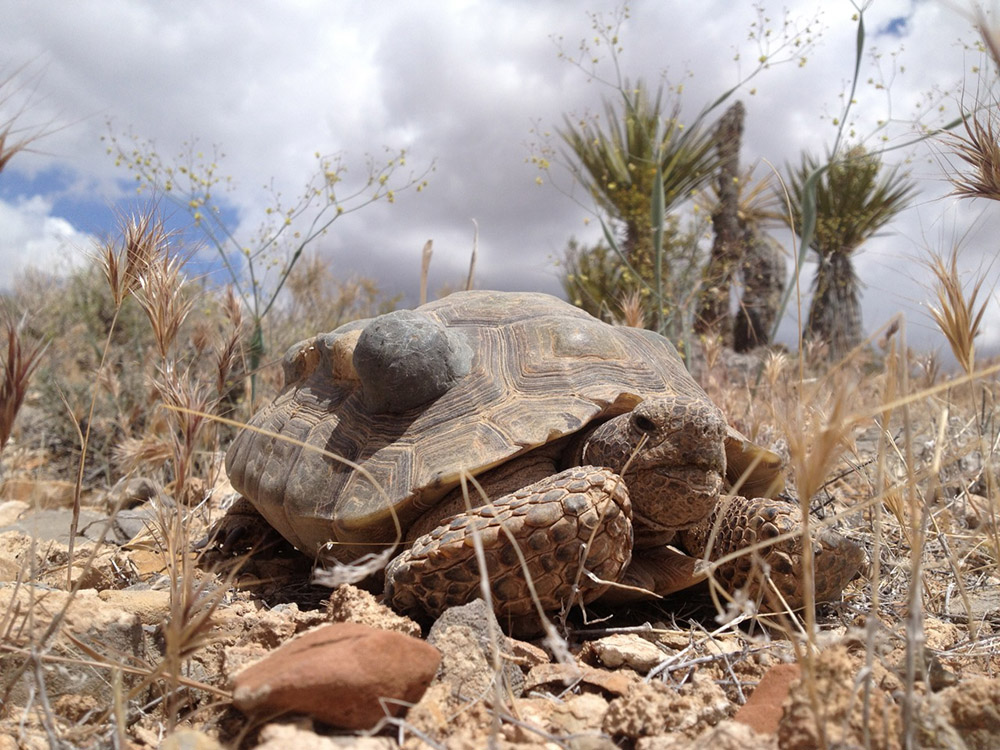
(378, 419)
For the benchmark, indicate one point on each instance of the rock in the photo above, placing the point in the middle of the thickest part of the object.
(132, 523)
(652, 708)
(11, 511)
(628, 650)
(138, 505)
(473, 649)
(350, 604)
(46, 563)
(940, 635)
(347, 675)
(526, 655)
(556, 677)
(11, 570)
(253, 632)
(53, 525)
(984, 602)
(435, 713)
(43, 494)
(134, 491)
(284, 736)
(113, 634)
(77, 707)
(579, 714)
(151, 607)
(764, 708)
(964, 716)
(189, 739)
(576, 716)
(728, 735)
(844, 715)
(590, 742)
(21, 738)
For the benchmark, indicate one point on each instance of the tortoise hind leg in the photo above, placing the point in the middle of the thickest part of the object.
(744, 523)
(552, 532)
(241, 529)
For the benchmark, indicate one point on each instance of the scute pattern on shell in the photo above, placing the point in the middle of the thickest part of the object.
(541, 370)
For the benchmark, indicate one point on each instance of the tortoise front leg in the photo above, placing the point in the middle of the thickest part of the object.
(551, 533)
(751, 525)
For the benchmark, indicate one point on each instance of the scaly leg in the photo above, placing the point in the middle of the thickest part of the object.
(581, 516)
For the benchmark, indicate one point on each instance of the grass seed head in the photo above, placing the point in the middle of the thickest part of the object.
(958, 313)
(19, 364)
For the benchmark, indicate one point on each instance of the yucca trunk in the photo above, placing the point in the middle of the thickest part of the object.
(835, 312)
(638, 248)
(764, 275)
(713, 309)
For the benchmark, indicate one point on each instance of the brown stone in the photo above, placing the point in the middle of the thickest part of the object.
(653, 708)
(109, 634)
(189, 739)
(345, 674)
(11, 511)
(39, 493)
(556, 677)
(763, 709)
(843, 714)
(966, 715)
(350, 604)
(628, 650)
(152, 607)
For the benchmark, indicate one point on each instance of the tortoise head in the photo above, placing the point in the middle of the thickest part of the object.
(671, 450)
(405, 359)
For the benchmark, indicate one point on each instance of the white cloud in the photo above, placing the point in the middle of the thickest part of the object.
(33, 238)
(462, 82)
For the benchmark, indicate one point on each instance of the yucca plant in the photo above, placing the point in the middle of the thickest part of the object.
(846, 200)
(596, 279)
(617, 161)
(592, 278)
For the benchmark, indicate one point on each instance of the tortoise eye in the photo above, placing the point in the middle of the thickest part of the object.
(643, 424)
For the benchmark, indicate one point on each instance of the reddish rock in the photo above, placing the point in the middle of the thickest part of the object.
(345, 674)
(764, 707)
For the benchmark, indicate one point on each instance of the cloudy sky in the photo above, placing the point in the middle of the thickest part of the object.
(470, 88)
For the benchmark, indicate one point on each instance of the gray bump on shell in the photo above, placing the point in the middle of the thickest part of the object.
(405, 359)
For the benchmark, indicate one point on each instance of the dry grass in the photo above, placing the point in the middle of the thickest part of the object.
(19, 363)
(958, 312)
(141, 265)
(633, 310)
(979, 149)
(16, 138)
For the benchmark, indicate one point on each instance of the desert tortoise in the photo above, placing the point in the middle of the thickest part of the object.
(379, 420)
